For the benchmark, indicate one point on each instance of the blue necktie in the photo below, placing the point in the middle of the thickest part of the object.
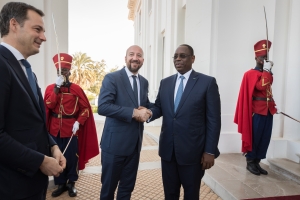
(179, 94)
(135, 90)
(31, 80)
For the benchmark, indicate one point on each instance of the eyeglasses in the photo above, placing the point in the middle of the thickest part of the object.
(182, 55)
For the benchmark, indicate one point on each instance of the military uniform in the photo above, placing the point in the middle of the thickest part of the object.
(66, 108)
(255, 109)
(63, 109)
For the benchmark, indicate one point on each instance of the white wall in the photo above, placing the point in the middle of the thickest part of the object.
(292, 71)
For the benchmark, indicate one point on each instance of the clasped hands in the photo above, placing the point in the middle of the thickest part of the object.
(53, 166)
(141, 114)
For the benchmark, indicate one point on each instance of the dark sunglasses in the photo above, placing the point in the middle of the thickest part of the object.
(182, 55)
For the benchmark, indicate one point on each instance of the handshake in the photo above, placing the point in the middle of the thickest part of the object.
(141, 114)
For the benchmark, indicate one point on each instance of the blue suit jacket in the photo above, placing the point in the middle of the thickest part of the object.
(24, 139)
(116, 101)
(195, 127)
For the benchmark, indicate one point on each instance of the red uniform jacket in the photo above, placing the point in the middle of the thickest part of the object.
(255, 83)
(65, 103)
(72, 102)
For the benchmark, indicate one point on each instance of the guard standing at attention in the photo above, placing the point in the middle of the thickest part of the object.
(255, 109)
(69, 113)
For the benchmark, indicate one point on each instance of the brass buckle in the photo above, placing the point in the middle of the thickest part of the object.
(58, 115)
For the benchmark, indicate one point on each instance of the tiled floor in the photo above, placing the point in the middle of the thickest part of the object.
(155, 130)
(230, 175)
(148, 184)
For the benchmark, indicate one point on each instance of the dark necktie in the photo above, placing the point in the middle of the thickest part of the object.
(135, 90)
(31, 80)
(179, 93)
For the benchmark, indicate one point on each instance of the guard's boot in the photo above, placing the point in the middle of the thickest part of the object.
(251, 166)
(71, 189)
(61, 188)
(261, 170)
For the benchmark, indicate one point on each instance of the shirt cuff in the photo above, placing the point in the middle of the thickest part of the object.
(150, 116)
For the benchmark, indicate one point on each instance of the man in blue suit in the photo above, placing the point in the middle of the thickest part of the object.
(121, 94)
(28, 155)
(190, 105)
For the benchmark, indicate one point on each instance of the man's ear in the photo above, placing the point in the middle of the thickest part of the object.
(13, 24)
(193, 58)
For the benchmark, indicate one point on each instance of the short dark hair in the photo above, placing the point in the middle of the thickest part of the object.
(16, 10)
(190, 48)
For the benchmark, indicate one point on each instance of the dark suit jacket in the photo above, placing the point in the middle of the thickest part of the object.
(195, 127)
(24, 139)
(121, 132)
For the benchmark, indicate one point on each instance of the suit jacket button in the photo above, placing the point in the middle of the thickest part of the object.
(174, 118)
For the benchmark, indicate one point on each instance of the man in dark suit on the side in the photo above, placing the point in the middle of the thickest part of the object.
(190, 105)
(28, 155)
(121, 95)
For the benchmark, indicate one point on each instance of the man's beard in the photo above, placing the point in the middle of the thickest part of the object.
(133, 70)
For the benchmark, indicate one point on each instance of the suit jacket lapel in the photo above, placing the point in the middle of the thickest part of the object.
(15, 65)
(142, 91)
(171, 92)
(188, 88)
(128, 86)
(41, 104)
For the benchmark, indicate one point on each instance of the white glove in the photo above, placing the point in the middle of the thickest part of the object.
(278, 110)
(60, 80)
(272, 63)
(268, 65)
(75, 127)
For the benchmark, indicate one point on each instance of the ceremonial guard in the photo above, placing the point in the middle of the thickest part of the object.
(70, 118)
(255, 109)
